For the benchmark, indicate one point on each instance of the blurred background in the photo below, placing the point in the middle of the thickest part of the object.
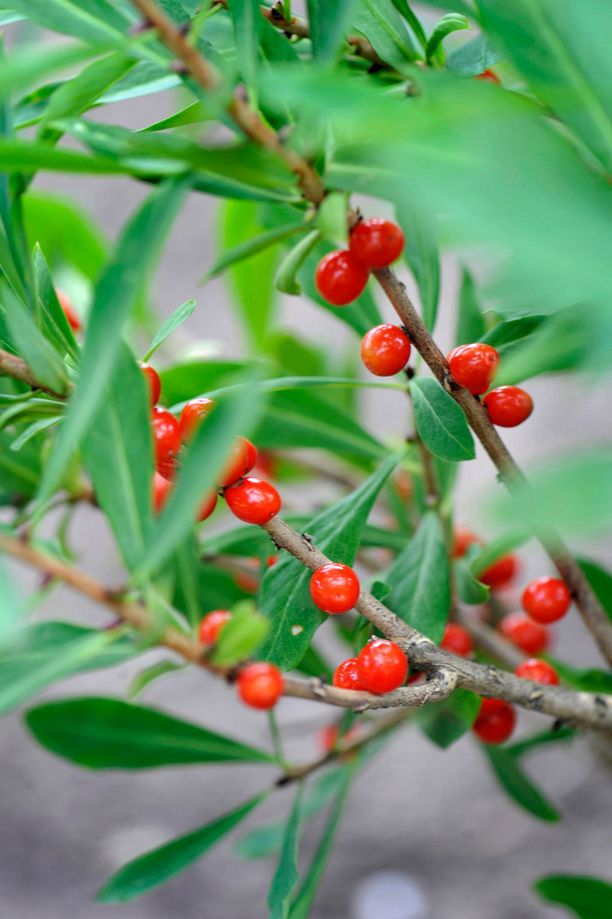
(427, 834)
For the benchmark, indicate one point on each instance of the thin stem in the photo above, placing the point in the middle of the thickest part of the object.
(16, 367)
(275, 734)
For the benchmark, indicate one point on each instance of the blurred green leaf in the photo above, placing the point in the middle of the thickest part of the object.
(196, 377)
(328, 24)
(50, 314)
(380, 22)
(286, 875)
(100, 20)
(80, 92)
(447, 721)
(586, 897)
(452, 22)
(421, 253)
(11, 608)
(103, 733)
(541, 739)
(31, 64)
(151, 674)
(240, 637)
(285, 279)
(40, 355)
(19, 472)
(415, 24)
(65, 233)
(251, 246)
(440, 422)
(584, 679)
(247, 20)
(170, 325)
(473, 57)
(332, 219)
(471, 590)
(470, 321)
(600, 580)
(159, 865)
(518, 785)
(420, 580)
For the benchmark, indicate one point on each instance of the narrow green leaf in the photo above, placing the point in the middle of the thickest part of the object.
(328, 24)
(103, 733)
(80, 92)
(28, 156)
(332, 219)
(600, 580)
(96, 21)
(586, 679)
(440, 422)
(159, 865)
(11, 609)
(420, 580)
(50, 314)
(253, 246)
(150, 675)
(247, 20)
(39, 353)
(470, 321)
(380, 22)
(452, 22)
(421, 253)
(240, 637)
(518, 786)
(586, 897)
(116, 295)
(34, 63)
(170, 325)
(285, 279)
(541, 739)
(471, 590)
(285, 596)
(286, 875)
(415, 24)
(473, 57)
(447, 721)
(64, 232)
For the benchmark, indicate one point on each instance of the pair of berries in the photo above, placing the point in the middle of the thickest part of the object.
(457, 640)
(495, 722)
(498, 575)
(473, 367)
(380, 667)
(342, 275)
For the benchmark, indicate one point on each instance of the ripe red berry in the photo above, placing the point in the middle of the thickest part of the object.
(457, 640)
(194, 412)
(385, 350)
(346, 676)
(500, 573)
(529, 636)
(260, 685)
(161, 490)
(167, 439)
(546, 599)
(376, 242)
(330, 736)
(382, 666)
(508, 406)
(495, 722)
(538, 671)
(272, 560)
(253, 501)
(69, 311)
(241, 459)
(473, 366)
(211, 625)
(462, 540)
(334, 588)
(152, 378)
(341, 278)
(489, 76)
(207, 507)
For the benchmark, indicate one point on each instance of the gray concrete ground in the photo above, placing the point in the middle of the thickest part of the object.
(455, 847)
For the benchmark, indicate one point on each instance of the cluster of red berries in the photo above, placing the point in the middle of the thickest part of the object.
(250, 499)
(380, 667)
(473, 367)
(373, 244)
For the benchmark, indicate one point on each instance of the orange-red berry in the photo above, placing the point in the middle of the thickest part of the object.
(462, 540)
(207, 507)
(211, 625)
(489, 76)
(253, 501)
(341, 278)
(193, 414)
(385, 350)
(495, 722)
(457, 640)
(167, 439)
(329, 736)
(508, 406)
(501, 573)
(346, 675)
(241, 459)
(538, 671)
(152, 378)
(382, 666)
(334, 588)
(69, 311)
(473, 366)
(546, 599)
(260, 685)
(161, 491)
(529, 636)
(376, 242)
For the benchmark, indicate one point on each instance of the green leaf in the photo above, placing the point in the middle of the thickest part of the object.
(170, 325)
(19, 473)
(39, 353)
(118, 455)
(382, 25)
(247, 20)
(586, 897)
(421, 253)
(541, 739)
(420, 580)
(34, 63)
(253, 245)
(240, 637)
(562, 342)
(159, 865)
(600, 580)
(285, 279)
(473, 57)
(518, 786)
(470, 321)
(452, 22)
(286, 875)
(585, 679)
(79, 93)
(28, 156)
(11, 608)
(65, 233)
(332, 219)
(103, 733)
(98, 20)
(328, 24)
(285, 596)
(415, 24)
(447, 721)
(150, 674)
(440, 422)
(50, 314)
(116, 295)
(471, 590)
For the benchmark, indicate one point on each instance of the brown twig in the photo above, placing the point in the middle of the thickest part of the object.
(15, 367)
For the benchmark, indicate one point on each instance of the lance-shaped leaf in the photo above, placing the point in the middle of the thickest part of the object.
(518, 785)
(286, 875)
(40, 355)
(328, 23)
(586, 897)
(180, 315)
(440, 422)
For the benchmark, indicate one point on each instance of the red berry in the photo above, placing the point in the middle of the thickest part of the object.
(69, 311)
(508, 406)
(489, 76)
(194, 412)
(500, 573)
(473, 366)
(462, 540)
(385, 350)
(382, 666)
(346, 676)
(272, 560)
(330, 736)
(538, 671)
(334, 588)
(211, 625)
(457, 640)
(376, 242)
(253, 501)
(154, 382)
(207, 507)
(241, 459)
(167, 438)
(260, 685)
(495, 722)
(546, 599)
(529, 636)
(341, 278)
(161, 490)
